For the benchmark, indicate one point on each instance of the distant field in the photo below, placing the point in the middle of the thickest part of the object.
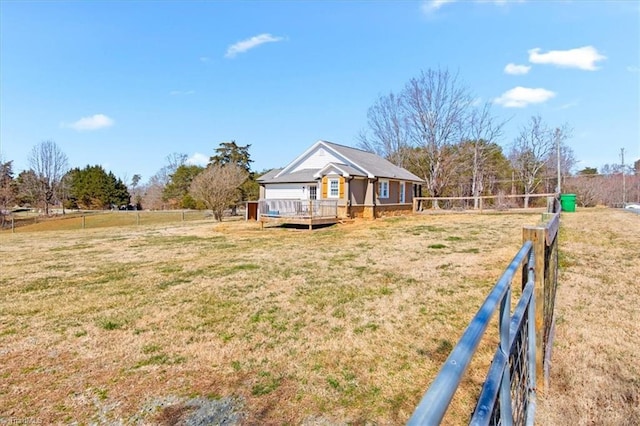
(347, 324)
(72, 220)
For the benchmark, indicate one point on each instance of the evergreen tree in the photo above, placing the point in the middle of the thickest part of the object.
(176, 192)
(231, 153)
(94, 188)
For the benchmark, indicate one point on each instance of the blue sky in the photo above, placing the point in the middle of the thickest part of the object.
(124, 84)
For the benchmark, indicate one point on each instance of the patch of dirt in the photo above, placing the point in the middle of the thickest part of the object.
(202, 412)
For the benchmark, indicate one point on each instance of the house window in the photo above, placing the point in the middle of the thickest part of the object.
(313, 192)
(402, 192)
(334, 188)
(383, 189)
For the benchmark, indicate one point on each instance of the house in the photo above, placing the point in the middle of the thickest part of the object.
(358, 183)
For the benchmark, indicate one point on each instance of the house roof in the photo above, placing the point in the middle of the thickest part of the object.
(374, 164)
(301, 176)
(360, 163)
(269, 175)
(342, 168)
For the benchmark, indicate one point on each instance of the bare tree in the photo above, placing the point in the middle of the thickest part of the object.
(218, 187)
(437, 107)
(483, 132)
(49, 164)
(387, 134)
(174, 161)
(530, 152)
(152, 194)
(589, 189)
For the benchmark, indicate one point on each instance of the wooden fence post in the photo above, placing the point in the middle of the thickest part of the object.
(137, 218)
(13, 226)
(83, 223)
(537, 236)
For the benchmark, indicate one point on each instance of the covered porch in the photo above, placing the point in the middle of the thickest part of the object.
(298, 212)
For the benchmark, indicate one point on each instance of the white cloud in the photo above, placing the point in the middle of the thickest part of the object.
(514, 69)
(569, 105)
(197, 159)
(430, 6)
(520, 97)
(204, 59)
(250, 43)
(95, 122)
(584, 58)
(500, 2)
(181, 92)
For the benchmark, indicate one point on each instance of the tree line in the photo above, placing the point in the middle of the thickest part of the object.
(225, 181)
(433, 126)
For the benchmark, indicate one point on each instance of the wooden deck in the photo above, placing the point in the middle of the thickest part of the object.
(310, 222)
(298, 212)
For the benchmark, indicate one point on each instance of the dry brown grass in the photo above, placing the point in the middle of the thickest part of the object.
(595, 373)
(347, 324)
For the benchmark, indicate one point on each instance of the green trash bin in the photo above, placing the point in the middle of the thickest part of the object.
(568, 202)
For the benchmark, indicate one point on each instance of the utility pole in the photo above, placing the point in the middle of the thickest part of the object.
(624, 182)
(557, 136)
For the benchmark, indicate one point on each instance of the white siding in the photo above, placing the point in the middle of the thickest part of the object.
(317, 160)
(285, 191)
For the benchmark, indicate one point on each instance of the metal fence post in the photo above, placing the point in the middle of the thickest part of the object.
(506, 413)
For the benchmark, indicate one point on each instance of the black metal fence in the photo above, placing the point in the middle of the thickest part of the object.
(520, 364)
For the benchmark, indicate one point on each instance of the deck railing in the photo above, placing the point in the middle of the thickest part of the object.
(305, 209)
(520, 365)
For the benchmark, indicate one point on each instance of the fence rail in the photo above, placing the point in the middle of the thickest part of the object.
(498, 202)
(520, 364)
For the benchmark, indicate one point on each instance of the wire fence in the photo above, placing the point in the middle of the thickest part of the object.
(78, 220)
(520, 365)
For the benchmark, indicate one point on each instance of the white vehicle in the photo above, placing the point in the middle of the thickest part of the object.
(632, 206)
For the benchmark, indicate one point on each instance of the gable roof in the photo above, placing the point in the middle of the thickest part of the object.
(300, 176)
(357, 163)
(374, 164)
(344, 170)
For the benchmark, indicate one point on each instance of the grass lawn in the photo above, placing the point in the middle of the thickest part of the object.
(346, 324)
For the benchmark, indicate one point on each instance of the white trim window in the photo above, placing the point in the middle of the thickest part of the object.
(313, 192)
(334, 188)
(383, 188)
(402, 199)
